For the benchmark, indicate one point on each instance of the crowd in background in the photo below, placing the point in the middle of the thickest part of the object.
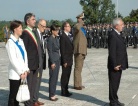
(97, 34)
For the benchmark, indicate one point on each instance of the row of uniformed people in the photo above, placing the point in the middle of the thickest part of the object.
(97, 35)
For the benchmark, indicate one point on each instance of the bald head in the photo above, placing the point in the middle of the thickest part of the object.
(42, 25)
(41, 21)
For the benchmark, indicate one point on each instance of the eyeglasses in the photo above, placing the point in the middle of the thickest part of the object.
(43, 26)
(67, 26)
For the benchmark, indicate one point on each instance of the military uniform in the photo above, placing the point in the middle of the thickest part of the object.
(135, 34)
(80, 51)
(89, 38)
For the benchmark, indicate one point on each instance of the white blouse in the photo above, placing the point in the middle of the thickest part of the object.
(17, 65)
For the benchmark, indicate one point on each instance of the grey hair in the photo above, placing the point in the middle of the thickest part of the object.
(28, 16)
(40, 20)
(116, 21)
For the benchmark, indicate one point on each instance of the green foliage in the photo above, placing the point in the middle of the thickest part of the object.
(98, 11)
(106, 11)
(56, 22)
(59, 23)
(49, 23)
(70, 21)
(133, 16)
(120, 16)
(134, 13)
(2, 24)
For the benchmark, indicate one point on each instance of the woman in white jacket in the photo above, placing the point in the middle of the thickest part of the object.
(18, 64)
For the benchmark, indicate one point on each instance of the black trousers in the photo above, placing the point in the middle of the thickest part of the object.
(89, 42)
(14, 86)
(65, 77)
(97, 41)
(53, 78)
(114, 82)
(135, 41)
(31, 79)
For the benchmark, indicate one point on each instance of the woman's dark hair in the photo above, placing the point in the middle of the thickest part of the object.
(15, 24)
(28, 16)
(54, 28)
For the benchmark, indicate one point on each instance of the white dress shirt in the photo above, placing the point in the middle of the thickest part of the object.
(117, 32)
(41, 37)
(17, 65)
(66, 33)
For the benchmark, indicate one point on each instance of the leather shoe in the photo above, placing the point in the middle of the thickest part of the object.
(120, 104)
(78, 88)
(40, 103)
(82, 87)
(54, 99)
(36, 104)
(66, 94)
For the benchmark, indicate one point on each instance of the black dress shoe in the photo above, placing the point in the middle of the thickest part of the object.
(66, 94)
(120, 104)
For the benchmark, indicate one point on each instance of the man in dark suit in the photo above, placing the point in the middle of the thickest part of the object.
(117, 60)
(66, 50)
(135, 34)
(42, 57)
(31, 46)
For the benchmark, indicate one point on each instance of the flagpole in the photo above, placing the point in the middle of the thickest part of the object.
(117, 9)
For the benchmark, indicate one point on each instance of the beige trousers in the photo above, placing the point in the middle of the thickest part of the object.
(78, 60)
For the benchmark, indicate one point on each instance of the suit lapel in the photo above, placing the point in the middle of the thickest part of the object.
(37, 35)
(120, 37)
(38, 38)
(67, 37)
(56, 41)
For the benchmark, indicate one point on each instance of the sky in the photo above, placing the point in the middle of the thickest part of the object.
(53, 9)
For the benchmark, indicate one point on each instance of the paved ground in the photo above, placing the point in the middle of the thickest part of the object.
(95, 80)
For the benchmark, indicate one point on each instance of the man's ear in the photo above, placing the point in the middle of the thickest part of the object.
(27, 22)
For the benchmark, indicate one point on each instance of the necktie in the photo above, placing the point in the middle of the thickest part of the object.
(42, 42)
(41, 39)
(70, 37)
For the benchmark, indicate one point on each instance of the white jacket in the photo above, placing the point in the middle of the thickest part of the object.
(17, 65)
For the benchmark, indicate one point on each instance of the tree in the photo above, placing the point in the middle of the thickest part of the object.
(2, 24)
(98, 11)
(106, 11)
(133, 16)
(134, 13)
(70, 21)
(90, 8)
(120, 15)
(55, 22)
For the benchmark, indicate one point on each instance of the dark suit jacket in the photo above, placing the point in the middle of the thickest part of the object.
(53, 48)
(66, 50)
(117, 51)
(32, 51)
